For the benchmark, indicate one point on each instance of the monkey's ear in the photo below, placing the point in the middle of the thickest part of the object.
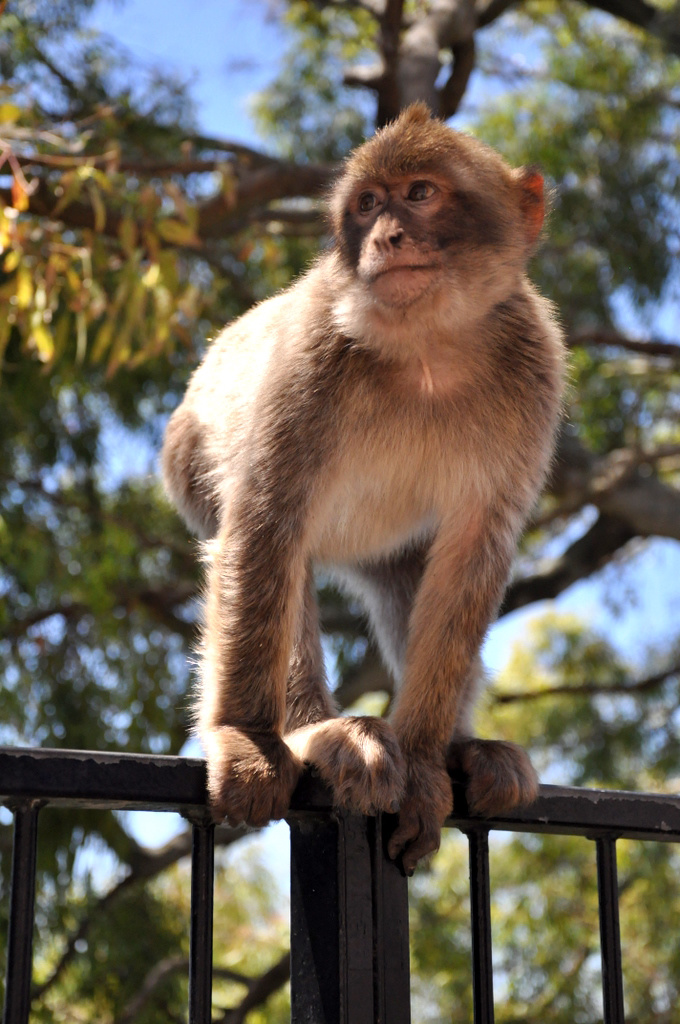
(532, 201)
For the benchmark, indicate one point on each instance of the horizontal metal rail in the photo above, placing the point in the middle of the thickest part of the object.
(349, 902)
(80, 778)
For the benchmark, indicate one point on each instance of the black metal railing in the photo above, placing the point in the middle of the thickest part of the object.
(349, 902)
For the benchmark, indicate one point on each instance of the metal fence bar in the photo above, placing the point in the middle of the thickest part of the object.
(95, 779)
(480, 913)
(331, 921)
(21, 916)
(610, 937)
(201, 937)
(390, 929)
(314, 922)
(568, 810)
(349, 910)
(81, 778)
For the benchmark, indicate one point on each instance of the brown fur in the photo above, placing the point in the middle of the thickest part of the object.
(391, 416)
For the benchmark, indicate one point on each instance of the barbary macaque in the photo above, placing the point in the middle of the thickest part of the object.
(391, 418)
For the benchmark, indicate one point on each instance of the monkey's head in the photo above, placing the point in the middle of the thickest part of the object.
(421, 207)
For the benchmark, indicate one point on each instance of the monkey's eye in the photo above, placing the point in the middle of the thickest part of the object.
(419, 191)
(367, 202)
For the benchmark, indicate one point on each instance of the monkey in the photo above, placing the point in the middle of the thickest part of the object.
(389, 417)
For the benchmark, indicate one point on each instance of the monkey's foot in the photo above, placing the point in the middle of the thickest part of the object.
(428, 801)
(359, 758)
(251, 775)
(497, 775)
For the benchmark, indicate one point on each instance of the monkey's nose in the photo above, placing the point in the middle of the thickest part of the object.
(395, 237)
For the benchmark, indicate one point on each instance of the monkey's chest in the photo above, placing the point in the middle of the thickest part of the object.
(377, 505)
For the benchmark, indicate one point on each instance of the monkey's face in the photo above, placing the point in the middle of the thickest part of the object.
(412, 236)
(391, 239)
(422, 211)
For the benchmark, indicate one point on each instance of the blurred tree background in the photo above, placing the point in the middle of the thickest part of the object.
(127, 238)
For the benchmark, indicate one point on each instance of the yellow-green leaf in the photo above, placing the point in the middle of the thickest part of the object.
(24, 292)
(9, 113)
(43, 342)
(98, 206)
(71, 184)
(11, 261)
(127, 232)
(177, 233)
(102, 341)
(150, 278)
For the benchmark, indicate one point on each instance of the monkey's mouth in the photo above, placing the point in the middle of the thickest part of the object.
(397, 268)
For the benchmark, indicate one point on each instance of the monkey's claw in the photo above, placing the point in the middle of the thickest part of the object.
(427, 803)
(251, 776)
(497, 775)
(359, 758)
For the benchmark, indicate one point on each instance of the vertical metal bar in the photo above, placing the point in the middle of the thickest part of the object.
(314, 921)
(331, 921)
(21, 916)
(610, 936)
(480, 909)
(201, 940)
(390, 930)
(356, 921)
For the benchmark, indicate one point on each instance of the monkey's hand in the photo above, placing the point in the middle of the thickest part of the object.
(359, 758)
(428, 801)
(497, 775)
(251, 775)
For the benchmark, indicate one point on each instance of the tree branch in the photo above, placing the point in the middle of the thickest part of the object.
(174, 964)
(160, 601)
(652, 682)
(142, 168)
(70, 87)
(144, 864)
(663, 24)
(588, 554)
(488, 12)
(259, 990)
(376, 8)
(156, 976)
(453, 90)
(652, 347)
(619, 485)
(389, 37)
(448, 24)
(218, 217)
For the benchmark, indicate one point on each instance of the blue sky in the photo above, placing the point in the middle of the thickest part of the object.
(226, 49)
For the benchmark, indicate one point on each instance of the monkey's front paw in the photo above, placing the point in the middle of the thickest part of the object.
(427, 803)
(359, 758)
(251, 775)
(497, 775)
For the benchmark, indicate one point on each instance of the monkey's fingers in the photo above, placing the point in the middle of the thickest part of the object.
(251, 776)
(358, 758)
(426, 805)
(497, 775)
(414, 838)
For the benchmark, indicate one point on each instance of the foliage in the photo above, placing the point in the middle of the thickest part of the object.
(544, 888)
(610, 229)
(307, 110)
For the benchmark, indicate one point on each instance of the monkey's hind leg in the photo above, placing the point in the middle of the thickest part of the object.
(357, 757)
(497, 775)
